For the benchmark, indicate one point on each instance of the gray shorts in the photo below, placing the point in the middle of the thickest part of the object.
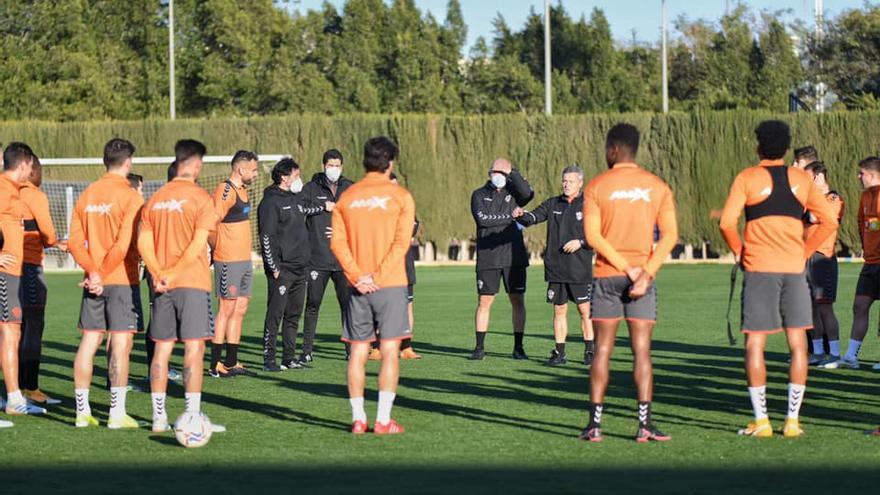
(383, 311)
(114, 310)
(182, 314)
(33, 290)
(611, 301)
(232, 279)
(773, 302)
(10, 305)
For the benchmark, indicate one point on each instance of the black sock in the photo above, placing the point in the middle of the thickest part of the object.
(517, 340)
(589, 346)
(644, 413)
(560, 348)
(231, 355)
(595, 415)
(216, 354)
(406, 344)
(375, 344)
(481, 338)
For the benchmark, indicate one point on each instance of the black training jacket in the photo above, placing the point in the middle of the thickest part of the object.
(284, 238)
(565, 222)
(316, 193)
(499, 237)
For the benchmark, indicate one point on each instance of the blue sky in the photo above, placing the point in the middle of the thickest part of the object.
(625, 16)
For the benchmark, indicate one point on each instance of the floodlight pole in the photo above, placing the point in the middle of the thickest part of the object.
(171, 58)
(665, 61)
(548, 94)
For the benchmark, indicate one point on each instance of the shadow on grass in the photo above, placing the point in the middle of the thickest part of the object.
(345, 479)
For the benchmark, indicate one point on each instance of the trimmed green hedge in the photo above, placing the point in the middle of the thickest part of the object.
(444, 158)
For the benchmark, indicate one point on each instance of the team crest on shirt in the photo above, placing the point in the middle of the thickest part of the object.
(579, 215)
(282, 290)
(314, 275)
(633, 195)
(550, 293)
(100, 209)
(507, 198)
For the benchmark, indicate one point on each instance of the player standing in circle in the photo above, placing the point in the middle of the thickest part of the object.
(104, 221)
(18, 159)
(173, 241)
(773, 253)
(501, 252)
(568, 261)
(622, 207)
(868, 286)
(372, 227)
(822, 275)
(39, 234)
(233, 270)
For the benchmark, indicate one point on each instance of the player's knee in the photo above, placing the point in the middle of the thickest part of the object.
(560, 310)
(486, 302)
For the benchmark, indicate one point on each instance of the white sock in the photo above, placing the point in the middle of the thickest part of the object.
(15, 397)
(795, 399)
(357, 409)
(386, 400)
(193, 401)
(759, 401)
(82, 402)
(852, 350)
(117, 401)
(819, 347)
(834, 347)
(159, 406)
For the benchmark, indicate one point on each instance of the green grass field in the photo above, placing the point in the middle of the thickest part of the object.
(491, 426)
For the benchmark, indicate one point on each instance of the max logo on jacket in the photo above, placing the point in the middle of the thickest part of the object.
(100, 209)
(371, 203)
(170, 205)
(633, 195)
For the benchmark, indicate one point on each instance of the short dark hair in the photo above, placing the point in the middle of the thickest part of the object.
(188, 148)
(625, 136)
(871, 163)
(332, 154)
(379, 152)
(116, 151)
(817, 168)
(284, 167)
(243, 156)
(135, 180)
(774, 139)
(172, 171)
(15, 154)
(808, 153)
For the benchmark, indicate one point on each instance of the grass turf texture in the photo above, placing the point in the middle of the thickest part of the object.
(483, 426)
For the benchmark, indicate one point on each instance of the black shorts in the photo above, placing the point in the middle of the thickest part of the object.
(489, 281)
(560, 293)
(822, 277)
(114, 310)
(10, 306)
(182, 314)
(869, 281)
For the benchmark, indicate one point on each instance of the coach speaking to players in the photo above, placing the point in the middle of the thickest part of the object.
(501, 253)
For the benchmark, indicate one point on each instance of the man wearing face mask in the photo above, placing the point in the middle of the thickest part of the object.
(323, 190)
(501, 253)
(284, 246)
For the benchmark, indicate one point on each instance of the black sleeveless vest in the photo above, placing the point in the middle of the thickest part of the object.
(781, 202)
(240, 210)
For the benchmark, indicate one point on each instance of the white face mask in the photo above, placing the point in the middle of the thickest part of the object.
(333, 173)
(499, 180)
(296, 186)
